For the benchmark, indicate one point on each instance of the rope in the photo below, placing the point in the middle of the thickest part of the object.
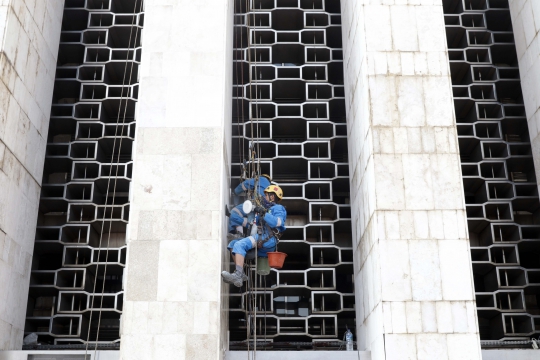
(255, 307)
(240, 147)
(265, 311)
(253, 170)
(248, 17)
(114, 189)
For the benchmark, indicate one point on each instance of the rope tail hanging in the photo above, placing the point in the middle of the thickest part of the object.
(116, 135)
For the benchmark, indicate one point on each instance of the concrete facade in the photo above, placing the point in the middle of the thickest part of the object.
(414, 289)
(29, 37)
(526, 23)
(175, 303)
(415, 296)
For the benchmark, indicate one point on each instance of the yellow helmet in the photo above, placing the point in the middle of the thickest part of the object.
(267, 176)
(276, 190)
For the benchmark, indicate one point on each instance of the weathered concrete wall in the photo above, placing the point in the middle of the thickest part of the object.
(413, 276)
(175, 304)
(526, 23)
(29, 37)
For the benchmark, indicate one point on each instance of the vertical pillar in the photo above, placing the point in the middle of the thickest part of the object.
(414, 283)
(29, 37)
(526, 23)
(175, 303)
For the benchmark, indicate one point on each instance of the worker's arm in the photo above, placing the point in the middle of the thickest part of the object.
(276, 219)
(244, 186)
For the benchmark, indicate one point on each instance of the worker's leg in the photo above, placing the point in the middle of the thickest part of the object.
(267, 247)
(236, 226)
(239, 249)
(236, 220)
(239, 260)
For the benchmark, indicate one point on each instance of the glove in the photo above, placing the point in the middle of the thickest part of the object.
(260, 209)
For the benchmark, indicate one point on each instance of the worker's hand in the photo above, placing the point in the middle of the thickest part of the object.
(260, 209)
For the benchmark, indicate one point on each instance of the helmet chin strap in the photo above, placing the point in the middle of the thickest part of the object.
(267, 203)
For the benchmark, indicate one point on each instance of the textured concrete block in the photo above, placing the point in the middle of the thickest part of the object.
(456, 276)
(425, 270)
(201, 346)
(400, 346)
(395, 270)
(431, 346)
(143, 260)
(463, 347)
(429, 317)
(173, 271)
(168, 346)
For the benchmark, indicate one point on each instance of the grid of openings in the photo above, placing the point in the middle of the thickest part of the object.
(501, 194)
(289, 81)
(80, 250)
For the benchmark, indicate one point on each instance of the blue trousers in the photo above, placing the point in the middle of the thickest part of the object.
(242, 246)
(236, 220)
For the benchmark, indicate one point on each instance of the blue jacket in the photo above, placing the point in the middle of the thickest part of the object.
(275, 218)
(249, 184)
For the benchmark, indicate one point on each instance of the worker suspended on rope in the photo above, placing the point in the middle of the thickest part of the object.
(238, 218)
(271, 222)
(248, 185)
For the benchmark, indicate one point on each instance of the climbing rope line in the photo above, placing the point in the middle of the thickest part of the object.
(249, 303)
(253, 93)
(135, 16)
(116, 176)
(238, 84)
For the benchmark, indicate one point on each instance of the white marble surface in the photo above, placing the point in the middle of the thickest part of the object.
(29, 37)
(413, 276)
(175, 303)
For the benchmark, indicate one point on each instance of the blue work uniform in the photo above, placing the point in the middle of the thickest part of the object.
(249, 184)
(238, 217)
(274, 218)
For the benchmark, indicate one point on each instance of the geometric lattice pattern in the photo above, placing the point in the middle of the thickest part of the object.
(501, 193)
(288, 75)
(80, 250)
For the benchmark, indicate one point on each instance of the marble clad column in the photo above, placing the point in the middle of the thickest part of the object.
(29, 38)
(413, 277)
(175, 305)
(526, 24)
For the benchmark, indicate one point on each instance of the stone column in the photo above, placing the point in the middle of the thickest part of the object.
(526, 23)
(29, 37)
(414, 283)
(175, 304)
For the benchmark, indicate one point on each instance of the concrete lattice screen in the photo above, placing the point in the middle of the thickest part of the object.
(296, 102)
(89, 153)
(501, 193)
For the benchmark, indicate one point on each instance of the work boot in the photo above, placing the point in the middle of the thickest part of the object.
(236, 278)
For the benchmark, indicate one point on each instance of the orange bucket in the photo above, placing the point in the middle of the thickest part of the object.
(276, 259)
